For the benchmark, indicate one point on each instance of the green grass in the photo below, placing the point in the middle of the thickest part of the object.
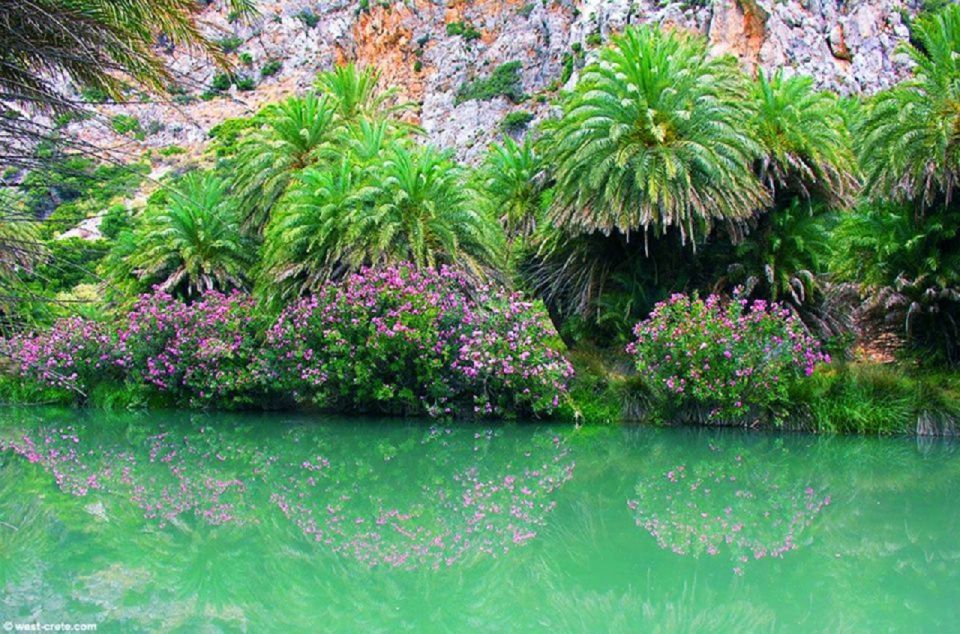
(877, 400)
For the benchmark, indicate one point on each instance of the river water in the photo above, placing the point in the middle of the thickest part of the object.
(189, 522)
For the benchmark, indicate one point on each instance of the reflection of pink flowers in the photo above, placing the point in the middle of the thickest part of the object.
(748, 526)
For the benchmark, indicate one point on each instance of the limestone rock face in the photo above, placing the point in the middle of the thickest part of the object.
(847, 45)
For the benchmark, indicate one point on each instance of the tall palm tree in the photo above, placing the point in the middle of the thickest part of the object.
(411, 205)
(513, 182)
(356, 93)
(654, 137)
(910, 141)
(808, 166)
(98, 44)
(909, 246)
(422, 212)
(192, 243)
(304, 243)
(293, 136)
(807, 149)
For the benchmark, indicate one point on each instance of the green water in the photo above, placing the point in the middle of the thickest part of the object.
(189, 522)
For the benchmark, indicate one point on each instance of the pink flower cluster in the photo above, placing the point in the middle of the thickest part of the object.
(726, 354)
(391, 340)
(407, 341)
(71, 355)
(199, 352)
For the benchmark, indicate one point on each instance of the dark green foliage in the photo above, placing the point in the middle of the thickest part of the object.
(116, 219)
(70, 262)
(871, 399)
(127, 124)
(464, 29)
(245, 83)
(221, 82)
(516, 121)
(271, 68)
(504, 81)
(308, 17)
(230, 44)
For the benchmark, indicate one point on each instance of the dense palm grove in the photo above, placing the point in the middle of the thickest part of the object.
(768, 228)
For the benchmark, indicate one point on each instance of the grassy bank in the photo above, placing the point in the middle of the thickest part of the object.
(840, 398)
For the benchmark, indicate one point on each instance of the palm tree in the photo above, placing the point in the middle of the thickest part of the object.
(809, 168)
(910, 141)
(807, 149)
(304, 243)
(783, 258)
(513, 182)
(96, 44)
(422, 212)
(294, 135)
(654, 137)
(193, 242)
(356, 93)
(411, 205)
(909, 245)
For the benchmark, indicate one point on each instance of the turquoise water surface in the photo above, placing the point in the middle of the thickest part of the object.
(226, 522)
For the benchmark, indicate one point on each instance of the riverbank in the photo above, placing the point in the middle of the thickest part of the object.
(838, 398)
(858, 398)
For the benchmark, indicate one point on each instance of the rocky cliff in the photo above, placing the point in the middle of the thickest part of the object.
(432, 50)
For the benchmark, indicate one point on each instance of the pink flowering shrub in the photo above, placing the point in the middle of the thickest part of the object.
(199, 353)
(502, 358)
(72, 355)
(406, 341)
(727, 355)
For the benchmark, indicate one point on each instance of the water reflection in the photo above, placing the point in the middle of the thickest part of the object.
(258, 523)
(434, 497)
(730, 502)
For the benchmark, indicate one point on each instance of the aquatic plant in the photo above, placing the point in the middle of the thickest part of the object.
(726, 355)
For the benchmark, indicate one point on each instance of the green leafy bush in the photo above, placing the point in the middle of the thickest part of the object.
(308, 17)
(230, 44)
(127, 124)
(271, 68)
(503, 81)
(401, 341)
(464, 29)
(725, 357)
(516, 121)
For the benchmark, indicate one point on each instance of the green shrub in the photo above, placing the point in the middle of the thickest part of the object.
(503, 81)
(308, 17)
(127, 124)
(464, 30)
(271, 68)
(718, 359)
(516, 121)
(230, 44)
(116, 219)
(245, 83)
(221, 82)
(246, 59)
